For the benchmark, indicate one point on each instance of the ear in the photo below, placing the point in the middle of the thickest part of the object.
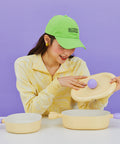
(47, 39)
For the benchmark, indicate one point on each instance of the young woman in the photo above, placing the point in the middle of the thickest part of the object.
(45, 76)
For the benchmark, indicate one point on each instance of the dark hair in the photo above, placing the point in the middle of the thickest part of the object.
(40, 47)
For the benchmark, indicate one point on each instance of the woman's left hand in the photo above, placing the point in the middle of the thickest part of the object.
(117, 80)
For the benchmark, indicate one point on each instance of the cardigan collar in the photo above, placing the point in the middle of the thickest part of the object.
(39, 65)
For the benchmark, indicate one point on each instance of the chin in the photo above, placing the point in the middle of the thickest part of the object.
(59, 62)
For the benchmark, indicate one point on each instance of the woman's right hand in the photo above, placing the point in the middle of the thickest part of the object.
(72, 82)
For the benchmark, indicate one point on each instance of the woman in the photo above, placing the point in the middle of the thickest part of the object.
(45, 77)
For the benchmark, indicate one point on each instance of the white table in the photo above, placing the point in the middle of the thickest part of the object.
(53, 132)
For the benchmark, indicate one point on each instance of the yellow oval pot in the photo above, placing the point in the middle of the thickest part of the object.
(84, 119)
(22, 122)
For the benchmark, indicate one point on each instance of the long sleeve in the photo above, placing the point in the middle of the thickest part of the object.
(31, 101)
(81, 68)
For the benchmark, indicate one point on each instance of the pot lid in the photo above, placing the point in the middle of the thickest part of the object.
(102, 88)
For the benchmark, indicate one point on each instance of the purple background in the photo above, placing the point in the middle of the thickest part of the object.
(23, 22)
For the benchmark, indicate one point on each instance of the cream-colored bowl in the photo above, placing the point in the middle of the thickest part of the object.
(22, 122)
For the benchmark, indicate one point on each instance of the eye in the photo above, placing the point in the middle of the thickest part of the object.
(61, 47)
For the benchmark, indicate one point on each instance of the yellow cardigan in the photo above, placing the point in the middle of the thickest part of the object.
(42, 93)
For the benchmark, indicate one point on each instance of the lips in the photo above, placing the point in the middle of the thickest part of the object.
(63, 58)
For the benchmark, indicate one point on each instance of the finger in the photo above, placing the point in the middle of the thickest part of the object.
(113, 80)
(82, 83)
(80, 77)
(73, 87)
(77, 81)
(77, 84)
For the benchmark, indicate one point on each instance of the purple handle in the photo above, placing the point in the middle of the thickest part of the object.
(116, 115)
(0, 120)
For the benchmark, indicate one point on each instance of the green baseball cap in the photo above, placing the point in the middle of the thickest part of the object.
(65, 30)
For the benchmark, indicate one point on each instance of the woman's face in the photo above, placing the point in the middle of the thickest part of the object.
(58, 53)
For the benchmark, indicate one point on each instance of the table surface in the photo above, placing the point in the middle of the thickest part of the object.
(53, 132)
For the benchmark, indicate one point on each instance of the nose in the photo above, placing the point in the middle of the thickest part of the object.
(68, 52)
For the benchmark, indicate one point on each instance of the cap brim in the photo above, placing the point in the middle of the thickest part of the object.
(68, 43)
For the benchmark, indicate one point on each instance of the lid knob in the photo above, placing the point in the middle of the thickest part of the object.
(92, 83)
